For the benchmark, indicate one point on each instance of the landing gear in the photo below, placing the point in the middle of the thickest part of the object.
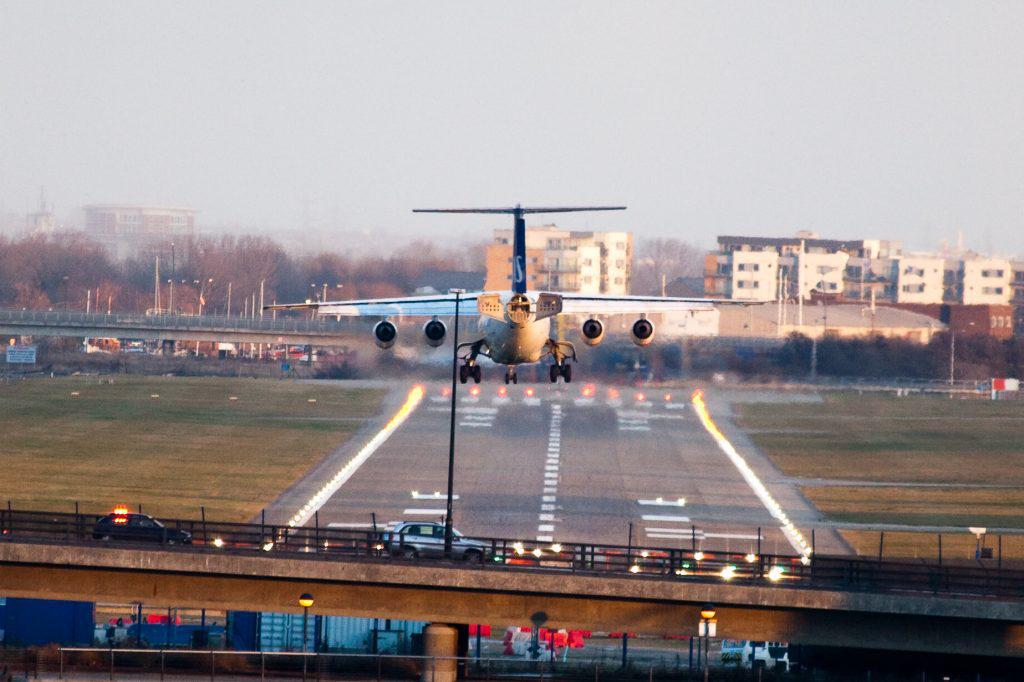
(511, 377)
(563, 369)
(470, 370)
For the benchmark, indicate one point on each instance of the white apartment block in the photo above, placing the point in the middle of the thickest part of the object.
(752, 276)
(984, 280)
(918, 279)
(820, 273)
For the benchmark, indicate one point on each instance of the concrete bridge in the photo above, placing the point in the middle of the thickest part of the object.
(457, 594)
(292, 331)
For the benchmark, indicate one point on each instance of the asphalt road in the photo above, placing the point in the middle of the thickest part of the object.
(561, 466)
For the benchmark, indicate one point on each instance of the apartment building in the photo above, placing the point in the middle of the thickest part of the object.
(918, 279)
(125, 229)
(979, 280)
(564, 260)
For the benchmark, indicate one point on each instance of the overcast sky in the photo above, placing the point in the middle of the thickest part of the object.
(866, 119)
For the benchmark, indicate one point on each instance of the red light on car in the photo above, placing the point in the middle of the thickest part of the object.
(120, 511)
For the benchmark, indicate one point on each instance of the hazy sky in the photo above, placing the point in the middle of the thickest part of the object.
(902, 120)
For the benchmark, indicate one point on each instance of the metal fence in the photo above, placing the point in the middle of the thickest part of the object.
(74, 663)
(505, 554)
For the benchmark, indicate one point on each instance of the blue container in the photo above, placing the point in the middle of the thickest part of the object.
(37, 622)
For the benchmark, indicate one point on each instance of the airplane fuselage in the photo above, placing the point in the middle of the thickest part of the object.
(513, 344)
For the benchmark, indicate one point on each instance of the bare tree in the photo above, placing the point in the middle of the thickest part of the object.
(664, 258)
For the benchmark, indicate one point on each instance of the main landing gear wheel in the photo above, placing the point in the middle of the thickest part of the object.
(567, 372)
(476, 372)
(511, 377)
(463, 374)
(553, 373)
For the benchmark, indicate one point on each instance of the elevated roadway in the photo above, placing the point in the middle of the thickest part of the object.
(293, 331)
(453, 593)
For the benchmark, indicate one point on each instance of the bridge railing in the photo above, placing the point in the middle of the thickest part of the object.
(509, 554)
(137, 321)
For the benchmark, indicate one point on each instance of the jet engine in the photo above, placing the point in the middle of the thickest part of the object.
(384, 334)
(434, 331)
(593, 332)
(642, 332)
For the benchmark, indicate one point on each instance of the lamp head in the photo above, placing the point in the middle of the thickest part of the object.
(707, 612)
(305, 600)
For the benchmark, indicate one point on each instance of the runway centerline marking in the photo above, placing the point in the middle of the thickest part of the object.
(339, 479)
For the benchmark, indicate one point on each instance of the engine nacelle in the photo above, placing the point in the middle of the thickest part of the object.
(642, 332)
(435, 331)
(592, 331)
(384, 334)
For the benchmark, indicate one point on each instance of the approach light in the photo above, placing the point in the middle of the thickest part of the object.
(475, 391)
(668, 397)
(529, 392)
(639, 396)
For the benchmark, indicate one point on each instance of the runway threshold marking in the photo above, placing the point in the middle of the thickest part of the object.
(790, 531)
(305, 513)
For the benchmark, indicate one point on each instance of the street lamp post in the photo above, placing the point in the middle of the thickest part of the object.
(448, 533)
(305, 601)
(707, 620)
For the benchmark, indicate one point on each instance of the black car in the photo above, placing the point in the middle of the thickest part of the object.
(139, 528)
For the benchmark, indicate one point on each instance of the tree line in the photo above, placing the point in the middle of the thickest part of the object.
(70, 271)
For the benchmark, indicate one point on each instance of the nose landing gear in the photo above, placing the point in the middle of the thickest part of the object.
(511, 377)
(468, 370)
(562, 369)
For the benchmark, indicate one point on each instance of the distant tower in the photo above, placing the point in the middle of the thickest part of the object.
(42, 221)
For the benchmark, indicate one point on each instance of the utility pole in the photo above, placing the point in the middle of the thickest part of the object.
(448, 533)
(156, 286)
(952, 356)
(229, 299)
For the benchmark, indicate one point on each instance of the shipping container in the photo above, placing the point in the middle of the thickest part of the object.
(37, 622)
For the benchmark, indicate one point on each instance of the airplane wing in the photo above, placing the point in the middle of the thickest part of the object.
(422, 306)
(597, 304)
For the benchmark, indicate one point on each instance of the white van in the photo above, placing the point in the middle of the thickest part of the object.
(753, 655)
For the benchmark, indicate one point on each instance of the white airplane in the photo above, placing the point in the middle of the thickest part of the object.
(514, 326)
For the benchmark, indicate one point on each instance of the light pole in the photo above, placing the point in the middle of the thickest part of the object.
(448, 534)
(707, 621)
(305, 601)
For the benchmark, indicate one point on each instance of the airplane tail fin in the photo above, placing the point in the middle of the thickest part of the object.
(519, 231)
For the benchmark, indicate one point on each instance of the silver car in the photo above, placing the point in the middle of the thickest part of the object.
(411, 539)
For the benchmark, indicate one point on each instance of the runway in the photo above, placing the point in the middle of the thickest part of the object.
(573, 463)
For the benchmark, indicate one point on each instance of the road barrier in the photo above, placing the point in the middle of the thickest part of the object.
(505, 554)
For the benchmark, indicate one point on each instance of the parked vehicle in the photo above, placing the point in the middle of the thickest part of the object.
(412, 539)
(124, 525)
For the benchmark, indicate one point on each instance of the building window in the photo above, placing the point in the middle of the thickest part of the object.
(992, 273)
(748, 267)
(992, 291)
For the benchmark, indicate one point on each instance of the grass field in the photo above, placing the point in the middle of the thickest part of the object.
(114, 443)
(962, 446)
